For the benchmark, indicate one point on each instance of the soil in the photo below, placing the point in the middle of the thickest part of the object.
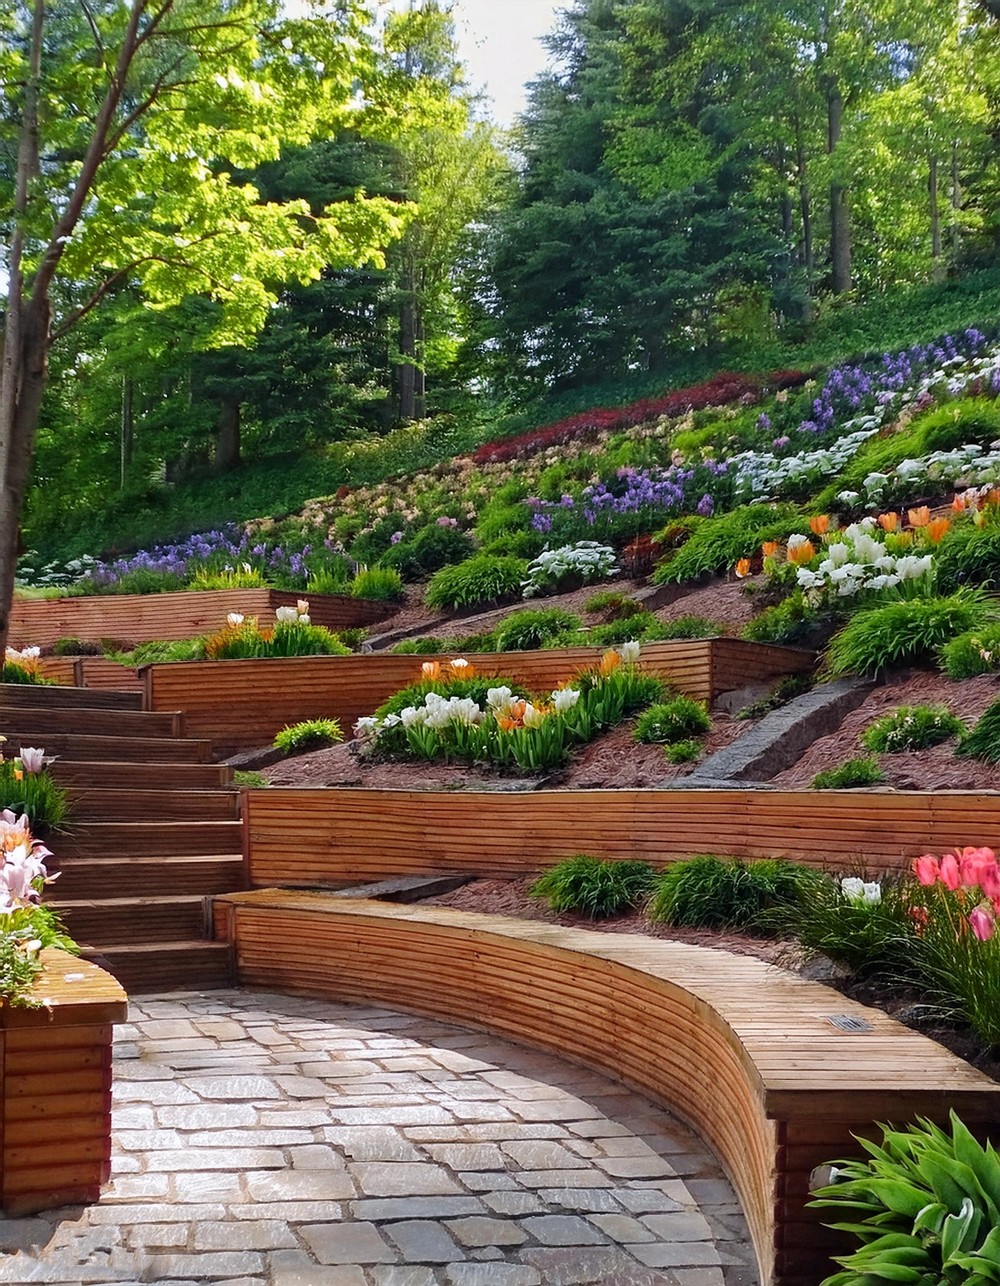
(511, 897)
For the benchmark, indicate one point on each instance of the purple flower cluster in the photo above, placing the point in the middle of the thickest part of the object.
(848, 389)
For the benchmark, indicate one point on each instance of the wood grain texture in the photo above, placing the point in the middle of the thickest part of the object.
(317, 837)
(242, 704)
(55, 1064)
(139, 618)
(742, 1051)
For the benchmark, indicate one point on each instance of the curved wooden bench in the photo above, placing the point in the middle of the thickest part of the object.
(744, 1052)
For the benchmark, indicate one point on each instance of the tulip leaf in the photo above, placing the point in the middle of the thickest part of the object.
(899, 1196)
(956, 1230)
(931, 1218)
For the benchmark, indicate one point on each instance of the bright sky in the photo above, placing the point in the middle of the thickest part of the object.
(499, 42)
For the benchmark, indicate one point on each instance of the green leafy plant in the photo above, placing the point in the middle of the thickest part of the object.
(686, 627)
(969, 555)
(228, 578)
(594, 887)
(250, 778)
(432, 548)
(983, 742)
(335, 578)
(298, 638)
(682, 752)
(719, 893)
(861, 771)
(612, 604)
(13, 672)
(673, 720)
(977, 652)
(864, 925)
(911, 728)
(143, 580)
(308, 734)
(785, 690)
(925, 1208)
(484, 578)
(383, 584)
(719, 543)
(906, 632)
(534, 628)
(790, 621)
(158, 650)
(26, 787)
(75, 647)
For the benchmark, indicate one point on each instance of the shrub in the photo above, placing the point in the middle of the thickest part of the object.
(522, 544)
(309, 734)
(983, 742)
(672, 720)
(925, 1208)
(432, 548)
(977, 652)
(13, 672)
(682, 752)
(719, 543)
(332, 579)
(524, 631)
(569, 566)
(75, 647)
(906, 632)
(383, 584)
(718, 893)
(911, 728)
(636, 627)
(853, 772)
(483, 578)
(790, 621)
(594, 887)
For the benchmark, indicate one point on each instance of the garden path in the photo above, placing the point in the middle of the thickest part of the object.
(265, 1140)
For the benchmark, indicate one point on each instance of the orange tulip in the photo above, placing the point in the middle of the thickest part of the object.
(804, 552)
(431, 670)
(461, 668)
(993, 498)
(959, 504)
(743, 568)
(919, 517)
(819, 524)
(769, 548)
(610, 662)
(936, 528)
(888, 522)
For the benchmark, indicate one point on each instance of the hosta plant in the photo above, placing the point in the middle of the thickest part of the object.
(581, 563)
(925, 1207)
(594, 887)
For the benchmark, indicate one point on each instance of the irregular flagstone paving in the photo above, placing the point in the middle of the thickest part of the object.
(265, 1140)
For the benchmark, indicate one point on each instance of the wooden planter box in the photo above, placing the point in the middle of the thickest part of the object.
(240, 705)
(55, 1063)
(140, 618)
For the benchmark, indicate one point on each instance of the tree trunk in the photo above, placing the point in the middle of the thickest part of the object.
(805, 208)
(840, 219)
(128, 427)
(407, 370)
(419, 374)
(956, 205)
(227, 442)
(937, 267)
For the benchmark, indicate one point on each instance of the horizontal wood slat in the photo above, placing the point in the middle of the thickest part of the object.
(331, 837)
(139, 618)
(718, 1038)
(242, 704)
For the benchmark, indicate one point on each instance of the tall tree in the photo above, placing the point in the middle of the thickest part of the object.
(124, 123)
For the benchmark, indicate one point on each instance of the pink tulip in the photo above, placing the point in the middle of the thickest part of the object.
(990, 880)
(973, 866)
(951, 875)
(32, 759)
(982, 922)
(927, 869)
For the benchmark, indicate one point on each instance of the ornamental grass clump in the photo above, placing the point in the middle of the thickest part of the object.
(309, 734)
(484, 578)
(955, 905)
(852, 773)
(677, 719)
(911, 728)
(25, 926)
(972, 654)
(527, 630)
(925, 1208)
(382, 584)
(862, 924)
(594, 887)
(720, 893)
(983, 742)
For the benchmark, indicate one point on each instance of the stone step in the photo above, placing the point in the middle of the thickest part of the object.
(129, 921)
(94, 878)
(57, 697)
(89, 803)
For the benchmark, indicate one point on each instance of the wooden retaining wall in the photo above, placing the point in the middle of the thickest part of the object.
(744, 1052)
(326, 837)
(55, 1078)
(240, 705)
(185, 614)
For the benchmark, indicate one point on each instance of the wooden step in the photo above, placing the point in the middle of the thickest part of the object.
(97, 803)
(39, 721)
(15, 695)
(159, 967)
(87, 748)
(132, 920)
(156, 777)
(154, 839)
(108, 877)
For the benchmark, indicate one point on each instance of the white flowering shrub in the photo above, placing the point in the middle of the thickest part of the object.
(586, 560)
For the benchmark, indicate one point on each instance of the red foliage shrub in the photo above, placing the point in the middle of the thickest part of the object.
(721, 389)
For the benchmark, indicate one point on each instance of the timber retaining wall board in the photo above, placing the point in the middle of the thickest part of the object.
(240, 705)
(329, 837)
(743, 1051)
(183, 614)
(55, 1063)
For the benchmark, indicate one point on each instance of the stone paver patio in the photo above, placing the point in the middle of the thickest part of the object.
(264, 1140)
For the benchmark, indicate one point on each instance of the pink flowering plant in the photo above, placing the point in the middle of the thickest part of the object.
(26, 786)
(25, 925)
(955, 906)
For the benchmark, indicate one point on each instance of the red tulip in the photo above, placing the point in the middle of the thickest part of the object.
(951, 874)
(927, 869)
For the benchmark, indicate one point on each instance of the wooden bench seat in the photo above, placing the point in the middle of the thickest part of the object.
(744, 1052)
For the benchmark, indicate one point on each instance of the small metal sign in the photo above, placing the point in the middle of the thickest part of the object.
(850, 1023)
